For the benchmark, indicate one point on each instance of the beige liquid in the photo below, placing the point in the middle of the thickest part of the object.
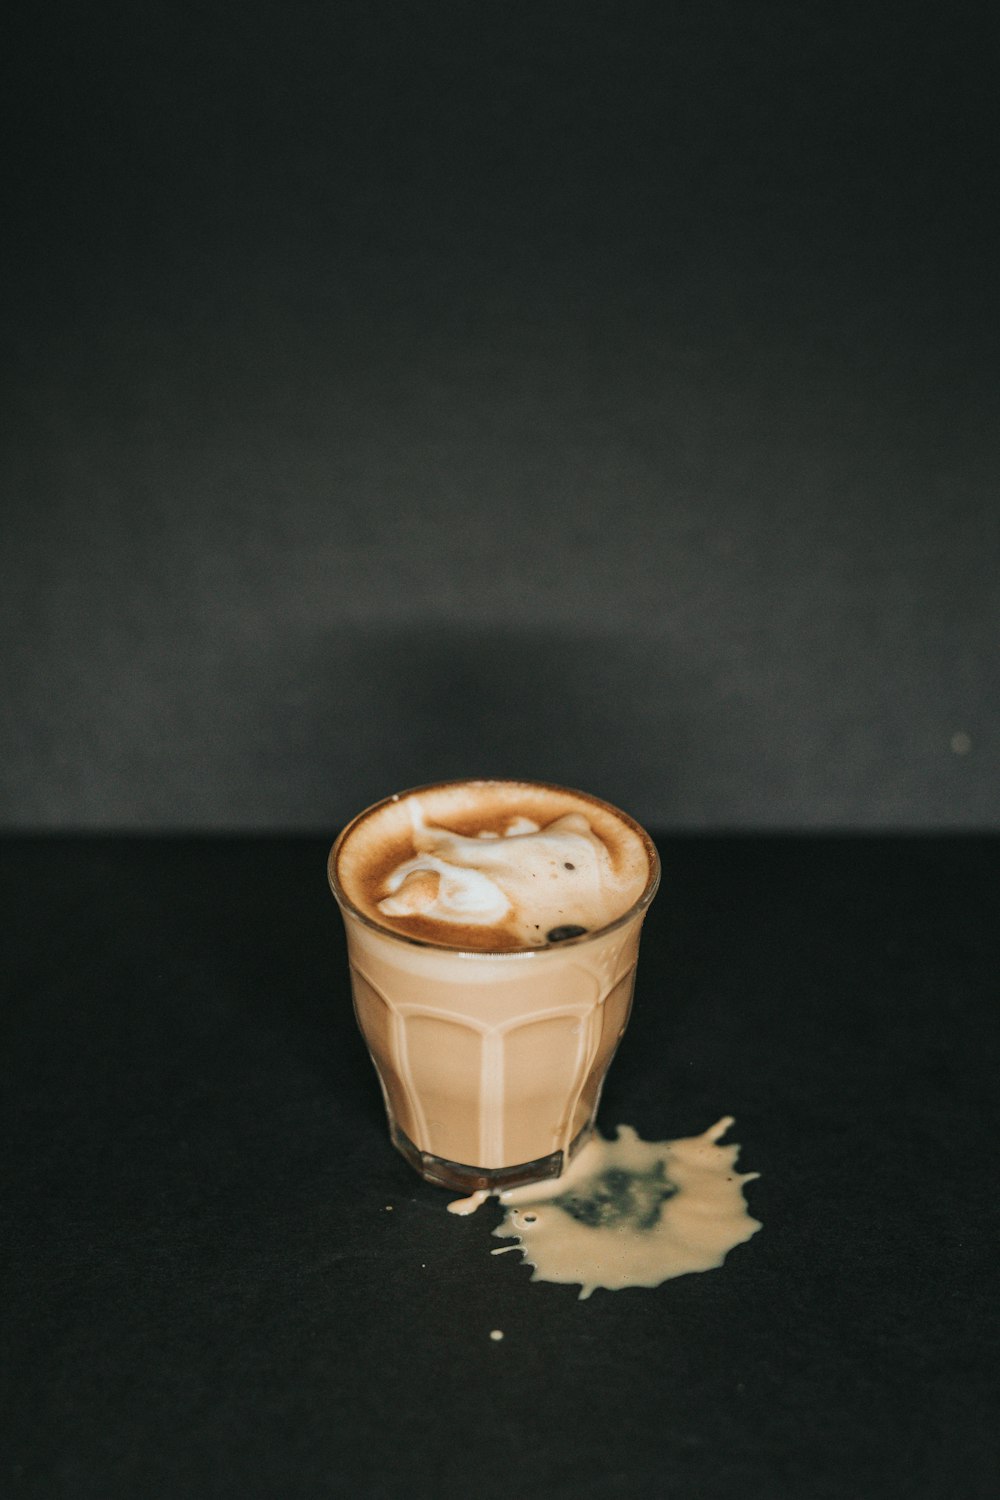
(490, 1058)
(630, 1212)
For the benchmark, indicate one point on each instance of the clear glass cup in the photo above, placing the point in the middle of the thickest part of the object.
(491, 1063)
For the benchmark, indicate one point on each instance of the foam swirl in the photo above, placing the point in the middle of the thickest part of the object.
(535, 879)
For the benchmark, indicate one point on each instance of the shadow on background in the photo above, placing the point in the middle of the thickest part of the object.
(397, 707)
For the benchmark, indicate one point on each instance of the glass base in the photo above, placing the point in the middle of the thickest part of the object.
(466, 1179)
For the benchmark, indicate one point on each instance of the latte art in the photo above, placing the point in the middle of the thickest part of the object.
(495, 865)
(534, 877)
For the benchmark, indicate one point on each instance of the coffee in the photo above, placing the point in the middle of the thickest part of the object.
(493, 865)
(493, 930)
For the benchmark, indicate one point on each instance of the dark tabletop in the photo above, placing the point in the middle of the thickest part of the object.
(207, 1292)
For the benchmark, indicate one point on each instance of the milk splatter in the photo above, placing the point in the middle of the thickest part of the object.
(630, 1212)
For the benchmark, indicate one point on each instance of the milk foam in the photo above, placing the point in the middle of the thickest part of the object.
(534, 879)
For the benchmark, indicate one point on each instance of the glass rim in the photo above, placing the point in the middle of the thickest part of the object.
(345, 902)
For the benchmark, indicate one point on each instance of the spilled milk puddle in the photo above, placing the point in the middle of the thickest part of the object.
(630, 1212)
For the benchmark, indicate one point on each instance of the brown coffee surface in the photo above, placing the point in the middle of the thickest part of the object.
(547, 887)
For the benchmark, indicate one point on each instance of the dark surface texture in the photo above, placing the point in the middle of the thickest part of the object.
(590, 391)
(207, 1295)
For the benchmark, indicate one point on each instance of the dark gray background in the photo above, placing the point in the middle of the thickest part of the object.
(601, 392)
